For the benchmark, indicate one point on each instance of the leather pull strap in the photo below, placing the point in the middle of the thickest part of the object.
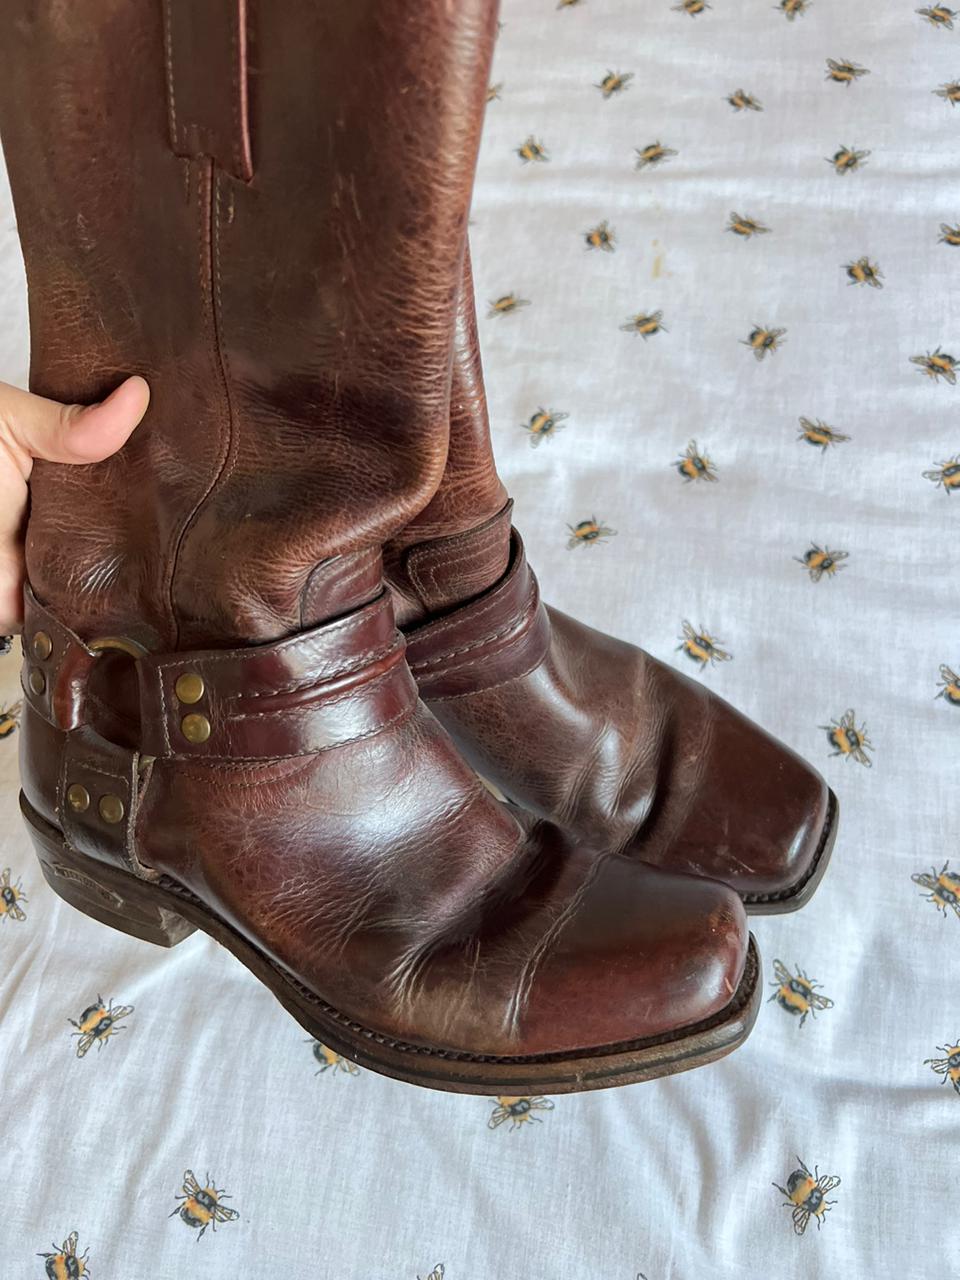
(207, 104)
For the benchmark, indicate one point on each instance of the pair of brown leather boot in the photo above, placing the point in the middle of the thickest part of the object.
(262, 209)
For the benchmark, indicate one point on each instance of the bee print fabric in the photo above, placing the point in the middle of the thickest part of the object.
(717, 255)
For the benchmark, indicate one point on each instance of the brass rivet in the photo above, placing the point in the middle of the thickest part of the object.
(189, 687)
(42, 646)
(78, 798)
(111, 808)
(37, 681)
(195, 728)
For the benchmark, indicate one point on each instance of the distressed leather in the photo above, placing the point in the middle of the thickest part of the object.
(585, 730)
(295, 327)
(278, 251)
(372, 864)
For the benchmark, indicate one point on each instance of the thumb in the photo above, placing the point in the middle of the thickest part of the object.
(72, 433)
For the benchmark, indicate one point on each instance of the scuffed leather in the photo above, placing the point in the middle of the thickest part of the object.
(593, 734)
(296, 329)
(375, 867)
(470, 496)
(626, 753)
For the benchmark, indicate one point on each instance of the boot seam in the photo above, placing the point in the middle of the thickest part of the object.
(210, 290)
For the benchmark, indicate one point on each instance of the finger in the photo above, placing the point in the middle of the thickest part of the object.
(40, 428)
(11, 588)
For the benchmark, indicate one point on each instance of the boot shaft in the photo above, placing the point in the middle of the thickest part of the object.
(261, 209)
(459, 544)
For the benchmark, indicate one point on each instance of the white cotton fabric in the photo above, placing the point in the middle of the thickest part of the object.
(356, 1177)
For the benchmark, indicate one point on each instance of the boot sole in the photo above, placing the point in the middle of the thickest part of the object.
(165, 913)
(801, 891)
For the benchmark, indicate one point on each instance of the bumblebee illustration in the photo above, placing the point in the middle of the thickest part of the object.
(943, 888)
(332, 1062)
(948, 1066)
(11, 896)
(740, 100)
(793, 8)
(201, 1206)
(507, 304)
(820, 560)
(819, 434)
(806, 1194)
(747, 228)
(863, 271)
(937, 364)
(949, 235)
(437, 1273)
(645, 325)
(796, 993)
(493, 92)
(701, 647)
(949, 686)
(694, 465)
(949, 92)
(847, 740)
(938, 15)
(600, 237)
(65, 1263)
(693, 7)
(844, 72)
(763, 341)
(543, 424)
(98, 1023)
(947, 474)
(532, 151)
(847, 159)
(588, 532)
(653, 153)
(10, 719)
(518, 1111)
(614, 82)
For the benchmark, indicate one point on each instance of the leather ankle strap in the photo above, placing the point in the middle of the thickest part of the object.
(444, 571)
(319, 689)
(501, 635)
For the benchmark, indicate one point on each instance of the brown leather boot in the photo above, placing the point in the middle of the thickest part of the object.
(265, 218)
(587, 731)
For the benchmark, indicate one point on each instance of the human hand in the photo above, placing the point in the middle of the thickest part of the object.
(34, 427)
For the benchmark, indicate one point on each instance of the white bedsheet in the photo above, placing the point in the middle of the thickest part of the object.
(346, 1175)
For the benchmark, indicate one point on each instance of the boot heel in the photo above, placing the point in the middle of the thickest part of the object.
(108, 895)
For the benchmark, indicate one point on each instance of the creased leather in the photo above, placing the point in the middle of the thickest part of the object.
(296, 330)
(587, 731)
(501, 635)
(377, 869)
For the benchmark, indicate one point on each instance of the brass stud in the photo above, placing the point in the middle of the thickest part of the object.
(42, 646)
(38, 681)
(111, 808)
(195, 728)
(189, 687)
(78, 798)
